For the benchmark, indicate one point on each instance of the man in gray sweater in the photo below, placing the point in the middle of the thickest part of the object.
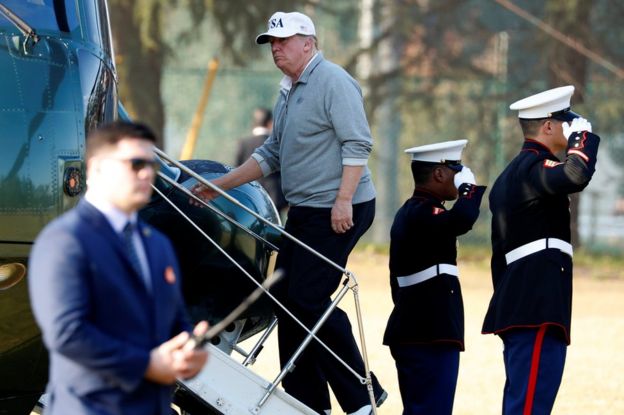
(320, 142)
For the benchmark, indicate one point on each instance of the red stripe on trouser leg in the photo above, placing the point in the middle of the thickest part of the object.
(535, 360)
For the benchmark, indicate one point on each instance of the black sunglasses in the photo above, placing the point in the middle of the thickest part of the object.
(137, 164)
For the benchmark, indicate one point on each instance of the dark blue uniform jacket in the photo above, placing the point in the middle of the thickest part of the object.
(529, 201)
(424, 233)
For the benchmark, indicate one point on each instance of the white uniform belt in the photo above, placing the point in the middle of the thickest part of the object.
(427, 274)
(536, 246)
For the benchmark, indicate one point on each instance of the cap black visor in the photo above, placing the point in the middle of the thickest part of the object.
(564, 115)
(451, 164)
(454, 165)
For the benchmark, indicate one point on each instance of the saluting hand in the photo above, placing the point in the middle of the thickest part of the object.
(465, 175)
(578, 125)
(342, 216)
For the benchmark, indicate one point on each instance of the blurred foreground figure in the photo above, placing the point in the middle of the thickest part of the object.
(531, 252)
(105, 290)
(425, 331)
(320, 142)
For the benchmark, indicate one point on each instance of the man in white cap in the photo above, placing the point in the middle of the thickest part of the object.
(531, 252)
(320, 142)
(425, 331)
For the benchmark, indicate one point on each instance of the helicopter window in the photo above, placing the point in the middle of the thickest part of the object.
(99, 91)
(53, 15)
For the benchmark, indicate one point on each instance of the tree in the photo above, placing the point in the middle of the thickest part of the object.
(138, 28)
(567, 66)
(140, 55)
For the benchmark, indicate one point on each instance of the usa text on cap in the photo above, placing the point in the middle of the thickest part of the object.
(447, 153)
(286, 25)
(554, 103)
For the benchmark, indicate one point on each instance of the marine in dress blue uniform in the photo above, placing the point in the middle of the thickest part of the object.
(531, 252)
(425, 330)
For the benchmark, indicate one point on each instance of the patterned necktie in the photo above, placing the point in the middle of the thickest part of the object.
(131, 250)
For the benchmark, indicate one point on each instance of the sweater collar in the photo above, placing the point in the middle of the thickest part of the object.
(287, 82)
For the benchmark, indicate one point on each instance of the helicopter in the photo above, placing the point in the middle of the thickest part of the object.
(59, 82)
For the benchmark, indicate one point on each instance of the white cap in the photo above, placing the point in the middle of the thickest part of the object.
(447, 152)
(286, 25)
(554, 103)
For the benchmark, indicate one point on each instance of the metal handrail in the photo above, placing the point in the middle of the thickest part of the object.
(311, 334)
(248, 275)
(219, 212)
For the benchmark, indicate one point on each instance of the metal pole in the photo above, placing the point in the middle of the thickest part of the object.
(253, 353)
(253, 280)
(218, 212)
(291, 363)
(369, 380)
(245, 208)
(311, 333)
(198, 117)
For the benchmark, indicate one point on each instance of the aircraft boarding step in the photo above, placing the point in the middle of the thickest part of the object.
(233, 389)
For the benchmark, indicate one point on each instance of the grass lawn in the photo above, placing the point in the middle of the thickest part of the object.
(593, 380)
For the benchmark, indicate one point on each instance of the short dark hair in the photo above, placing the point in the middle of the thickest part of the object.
(108, 135)
(262, 117)
(421, 172)
(530, 128)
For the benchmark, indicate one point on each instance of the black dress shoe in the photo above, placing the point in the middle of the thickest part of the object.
(381, 398)
(380, 394)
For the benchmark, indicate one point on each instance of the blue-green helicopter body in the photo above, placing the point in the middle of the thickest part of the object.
(57, 82)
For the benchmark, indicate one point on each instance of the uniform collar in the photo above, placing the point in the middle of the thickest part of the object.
(419, 192)
(533, 145)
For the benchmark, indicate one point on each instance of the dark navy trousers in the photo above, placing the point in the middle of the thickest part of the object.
(305, 290)
(534, 361)
(427, 377)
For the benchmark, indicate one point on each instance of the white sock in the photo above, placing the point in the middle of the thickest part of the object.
(365, 410)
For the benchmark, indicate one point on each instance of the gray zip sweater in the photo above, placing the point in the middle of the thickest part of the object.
(320, 125)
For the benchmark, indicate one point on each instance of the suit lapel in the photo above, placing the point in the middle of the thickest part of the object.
(102, 227)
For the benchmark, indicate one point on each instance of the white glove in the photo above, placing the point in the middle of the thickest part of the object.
(464, 176)
(578, 125)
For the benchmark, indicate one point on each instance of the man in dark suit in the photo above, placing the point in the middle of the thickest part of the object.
(531, 306)
(262, 126)
(105, 290)
(425, 330)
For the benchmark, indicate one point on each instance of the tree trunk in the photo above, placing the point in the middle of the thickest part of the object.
(386, 116)
(568, 66)
(139, 65)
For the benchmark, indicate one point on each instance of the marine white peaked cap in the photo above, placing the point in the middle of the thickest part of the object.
(286, 25)
(446, 152)
(554, 103)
